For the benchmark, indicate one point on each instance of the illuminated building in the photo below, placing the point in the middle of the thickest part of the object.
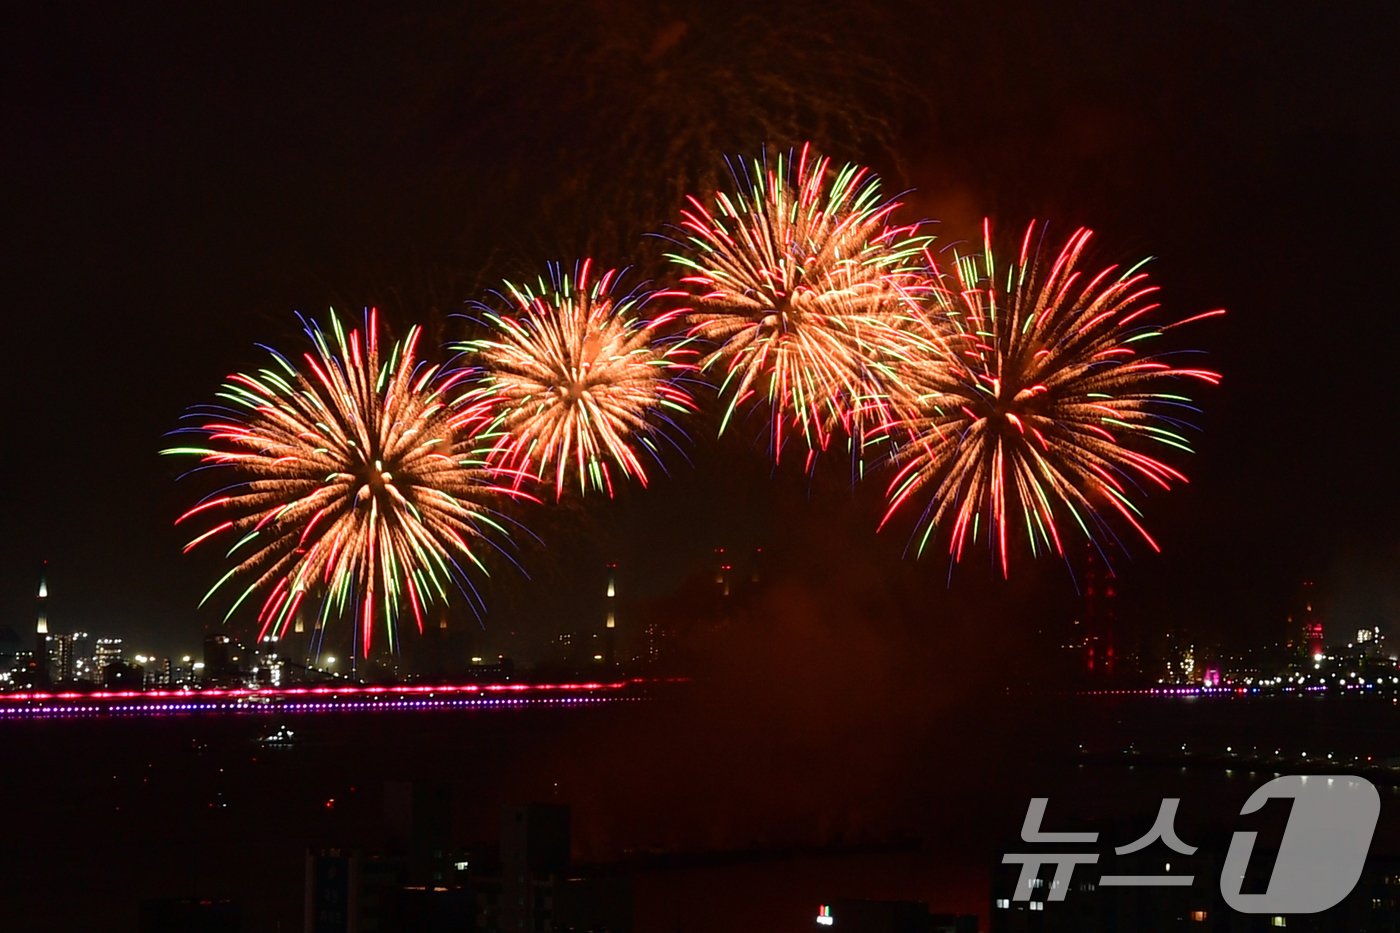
(61, 657)
(106, 652)
(40, 675)
(70, 657)
(724, 573)
(186, 671)
(1312, 627)
(1311, 644)
(1100, 615)
(579, 650)
(656, 639)
(84, 658)
(610, 622)
(124, 675)
(10, 653)
(269, 667)
(1371, 641)
(594, 640)
(224, 660)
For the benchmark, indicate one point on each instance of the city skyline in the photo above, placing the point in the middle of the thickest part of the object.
(1281, 173)
(611, 635)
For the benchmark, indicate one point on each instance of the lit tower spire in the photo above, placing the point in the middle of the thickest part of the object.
(610, 632)
(41, 629)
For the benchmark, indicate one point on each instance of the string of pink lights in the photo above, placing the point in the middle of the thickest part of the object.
(347, 698)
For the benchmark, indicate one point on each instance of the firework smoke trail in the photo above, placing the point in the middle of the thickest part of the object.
(582, 383)
(1034, 397)
(358, 480)
(799, 282)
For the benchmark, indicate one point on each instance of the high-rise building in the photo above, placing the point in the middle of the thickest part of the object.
(422, 881)
(656, 638)
(63, 661)
(418, 828)
(1100, 615)
(1312, 641)
(349, 891)
(106, 652)
(225, 660)
(84, 662)
(41, 631)
(535, 844)
(11, 651)
(610, 622)
(269, 664)
(724, 573)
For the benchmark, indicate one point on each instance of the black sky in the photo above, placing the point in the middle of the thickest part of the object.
(178, 181)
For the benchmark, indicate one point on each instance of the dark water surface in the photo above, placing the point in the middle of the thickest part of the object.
(776, 806)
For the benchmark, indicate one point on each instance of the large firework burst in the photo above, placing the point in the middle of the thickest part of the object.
(358, 481)
(798, 282)
(581, 381)
(1035, 399)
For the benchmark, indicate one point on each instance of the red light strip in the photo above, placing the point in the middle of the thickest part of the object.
(272, 693)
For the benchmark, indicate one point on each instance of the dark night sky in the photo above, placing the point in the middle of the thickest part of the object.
(177, 182)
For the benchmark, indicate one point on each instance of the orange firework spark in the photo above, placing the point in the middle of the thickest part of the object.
(1034, 397)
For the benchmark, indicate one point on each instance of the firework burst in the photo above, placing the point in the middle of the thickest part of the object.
(358, 481)
(581, 382)
(1035, 400)
(799, 284)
